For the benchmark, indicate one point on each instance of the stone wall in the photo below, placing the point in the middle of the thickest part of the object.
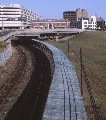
(5, 55)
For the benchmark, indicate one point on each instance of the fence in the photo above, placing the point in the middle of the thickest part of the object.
(83, 73)
(89, 89)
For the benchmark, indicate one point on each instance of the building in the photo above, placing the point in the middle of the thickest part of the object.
(100, 23)
(10, 16)
(50, 24)
(79, 19)
(81, 13)
(70, 15)
(14, 16)
(75, 15)
(75, 24)
(28, 14)
(88, 23)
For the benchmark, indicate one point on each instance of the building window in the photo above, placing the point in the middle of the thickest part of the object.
(85, 22)
(85, 25)
(89, 25)
(91, 19)
(89, 22)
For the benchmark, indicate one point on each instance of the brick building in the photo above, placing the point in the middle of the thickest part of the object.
(50, 24)
(75, 15)
(70, 15)
(81, 13)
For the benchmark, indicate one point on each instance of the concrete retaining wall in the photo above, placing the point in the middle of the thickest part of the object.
(5, 55)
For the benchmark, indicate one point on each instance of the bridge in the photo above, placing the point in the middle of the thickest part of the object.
(35, 33)
(47, 34)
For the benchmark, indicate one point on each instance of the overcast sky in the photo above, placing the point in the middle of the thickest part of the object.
(55, 8)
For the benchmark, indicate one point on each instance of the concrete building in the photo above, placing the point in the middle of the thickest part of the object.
(28, 14)
(88, 23)
(10, 16)
(50, 24)
(75, 24)
(14, 16)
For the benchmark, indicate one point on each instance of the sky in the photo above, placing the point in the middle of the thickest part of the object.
(53, 9)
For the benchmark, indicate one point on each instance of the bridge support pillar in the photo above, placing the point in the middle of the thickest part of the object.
(57, 38)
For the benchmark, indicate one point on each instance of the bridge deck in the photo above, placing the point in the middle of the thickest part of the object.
(64, 100)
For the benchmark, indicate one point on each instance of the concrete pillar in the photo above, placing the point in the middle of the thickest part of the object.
(57, 38)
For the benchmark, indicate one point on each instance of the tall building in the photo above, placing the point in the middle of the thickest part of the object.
(14, 16)
(70, 15)
(11, 11)
(28, 14)
(9, 16)
(75, 15)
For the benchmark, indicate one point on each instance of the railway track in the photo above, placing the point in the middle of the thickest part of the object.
(11, 89)
(31, 103)
(6, 88)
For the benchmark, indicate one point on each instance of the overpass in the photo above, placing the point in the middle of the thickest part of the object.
(5, 35)
(46, 33)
